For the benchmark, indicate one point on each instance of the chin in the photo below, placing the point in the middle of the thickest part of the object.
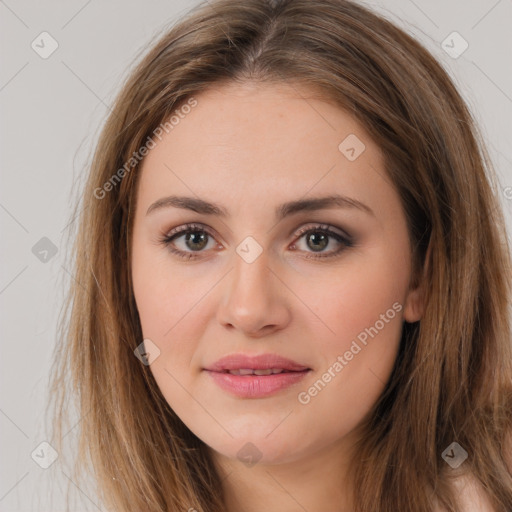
(259, 448)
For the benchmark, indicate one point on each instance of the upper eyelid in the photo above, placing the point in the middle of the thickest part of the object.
(311, 226)
(325, 227)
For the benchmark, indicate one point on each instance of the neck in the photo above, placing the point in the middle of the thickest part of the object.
(318, 480)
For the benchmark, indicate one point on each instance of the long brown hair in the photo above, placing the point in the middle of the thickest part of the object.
(452, 380)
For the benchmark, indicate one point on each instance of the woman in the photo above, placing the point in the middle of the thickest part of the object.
(292, 276)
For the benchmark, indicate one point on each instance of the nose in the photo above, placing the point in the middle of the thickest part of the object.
(255, 300)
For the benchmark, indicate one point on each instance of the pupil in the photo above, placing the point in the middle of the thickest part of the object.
(196, 239)
(322, 238)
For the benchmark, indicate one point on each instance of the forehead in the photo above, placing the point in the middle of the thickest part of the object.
(255, 141)
(247, 115)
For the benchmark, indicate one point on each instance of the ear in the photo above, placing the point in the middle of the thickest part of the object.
(415, 300)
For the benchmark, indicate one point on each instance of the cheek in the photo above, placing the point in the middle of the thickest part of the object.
(164, 300)
(356, 364)
(168, 323)
(162, 294)
(354, 296)
(360, 306)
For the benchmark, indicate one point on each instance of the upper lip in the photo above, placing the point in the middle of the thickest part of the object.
(255, 362)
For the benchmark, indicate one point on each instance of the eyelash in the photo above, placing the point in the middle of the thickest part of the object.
(167, 239)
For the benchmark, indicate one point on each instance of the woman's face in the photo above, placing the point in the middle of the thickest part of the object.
(324, 284)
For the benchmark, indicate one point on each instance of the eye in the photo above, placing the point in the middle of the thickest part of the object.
(196, 238)
(318, 237)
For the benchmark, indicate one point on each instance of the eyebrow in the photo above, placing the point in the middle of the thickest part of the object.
(289, 208)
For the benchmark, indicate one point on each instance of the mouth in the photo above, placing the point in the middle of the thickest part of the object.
(248, 364)
(249, 371)
(256, 376)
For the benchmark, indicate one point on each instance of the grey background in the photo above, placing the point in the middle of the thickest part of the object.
(51, 112)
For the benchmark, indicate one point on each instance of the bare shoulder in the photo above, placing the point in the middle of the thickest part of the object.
(470, 494)
(469, 491)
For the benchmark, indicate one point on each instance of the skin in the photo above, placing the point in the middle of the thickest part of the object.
(250, 148)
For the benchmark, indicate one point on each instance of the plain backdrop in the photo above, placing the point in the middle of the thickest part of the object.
(51, 112)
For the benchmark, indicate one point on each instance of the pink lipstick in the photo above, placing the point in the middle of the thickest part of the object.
(256, 376)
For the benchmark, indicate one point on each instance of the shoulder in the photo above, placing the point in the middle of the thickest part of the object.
(469, 491)
(470, 495)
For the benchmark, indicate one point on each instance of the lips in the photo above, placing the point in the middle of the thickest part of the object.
(256, 376)
(249, 371)
(255, 364)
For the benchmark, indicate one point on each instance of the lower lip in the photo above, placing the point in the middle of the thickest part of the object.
(256, 386)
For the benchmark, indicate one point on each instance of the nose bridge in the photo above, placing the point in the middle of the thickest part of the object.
(251, 301)
(250, 272)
